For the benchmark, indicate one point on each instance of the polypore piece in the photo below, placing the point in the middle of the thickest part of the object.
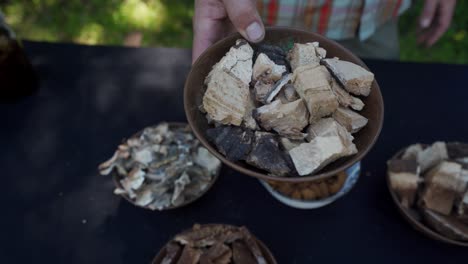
(289, 93)
(249, 121)
(233, 142)
(219, 253)
(306, 54)
(190, 256)
(286, 119)
(351, 120)
(312, 83)
(173, 251)
(226, 98)
(277, 88)
(237, 62)
(288, 144)
(241, 254)
(275, 53)
(344, 98)
(432, 155)
(441, 185)
(328, 127)
(206, 160)
(265, 69)
(227, 93)
(266, 155)
(412, 152)
(262, 90)
(404, 180)
(310, 157)
(353, 77)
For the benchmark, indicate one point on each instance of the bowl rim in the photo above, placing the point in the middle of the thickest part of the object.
(116, 180)
(265, 250)
(353, 159)
(418, 225)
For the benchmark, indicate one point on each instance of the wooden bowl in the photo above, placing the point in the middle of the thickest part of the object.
(283, 37)
(116, 178)
(265, 251)
(409, 215)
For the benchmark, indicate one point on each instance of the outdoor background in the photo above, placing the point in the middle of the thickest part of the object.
(169, 23)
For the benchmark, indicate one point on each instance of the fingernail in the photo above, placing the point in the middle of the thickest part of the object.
(425, 22)
(254, 32)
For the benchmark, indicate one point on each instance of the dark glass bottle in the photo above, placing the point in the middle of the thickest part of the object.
(17, 76)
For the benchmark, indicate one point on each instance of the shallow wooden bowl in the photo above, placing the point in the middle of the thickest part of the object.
(265, 251)
(410, 215)
(116, 178)
(283, 37)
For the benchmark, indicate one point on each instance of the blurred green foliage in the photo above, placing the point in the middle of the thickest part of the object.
(169, 23)
(451, 48)
(162, 22)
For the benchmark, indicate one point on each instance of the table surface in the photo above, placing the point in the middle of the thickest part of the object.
(58, 209)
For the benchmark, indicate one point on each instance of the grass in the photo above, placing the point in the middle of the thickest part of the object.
(169, 23)
(451, 48)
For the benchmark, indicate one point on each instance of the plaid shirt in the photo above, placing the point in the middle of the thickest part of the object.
(336, 19)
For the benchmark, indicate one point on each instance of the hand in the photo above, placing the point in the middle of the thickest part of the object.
(435, 20)
(215, 19)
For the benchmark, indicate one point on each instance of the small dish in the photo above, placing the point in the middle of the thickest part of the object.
(352, 176)
(263, 248)
(413, 216)
(117, 178)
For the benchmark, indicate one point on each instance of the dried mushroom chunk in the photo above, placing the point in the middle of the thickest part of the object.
(351, 120)
(354, 78)
(262, 90)
(266, 70)
(249, 121)
(226, 98)
(216, 244)
(432, 156)
(233, 142)
(312, 83)
(288, 94)
(275, 53)
(321, 151)
(155, 169)
(277, 88)
(237, 62)
(242, 254)
(412, 152)
(404, 179)
(287, 119)
(344, 98)
(266, 155)
(306, 54)
(441, 185)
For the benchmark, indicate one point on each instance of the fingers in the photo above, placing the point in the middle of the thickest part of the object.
(208, 23)
(445, 14)
(245, 18)
(439, 23)
(428, 13)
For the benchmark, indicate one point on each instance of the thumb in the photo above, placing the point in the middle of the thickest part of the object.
(245, 18)
(428, 13)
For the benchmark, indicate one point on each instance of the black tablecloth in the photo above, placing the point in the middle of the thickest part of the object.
(57, 209)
